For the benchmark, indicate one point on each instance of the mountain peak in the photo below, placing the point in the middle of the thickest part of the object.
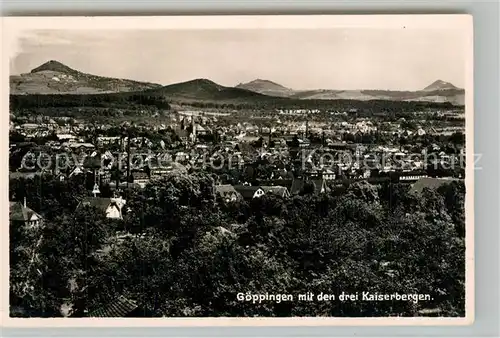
(440, 85)
(262, 82)
(54, 77)
(54, 66)
(202, 80)
(266, 87)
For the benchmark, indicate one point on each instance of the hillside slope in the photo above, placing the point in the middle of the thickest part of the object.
(267, 87)
(206, 90)
(54, 77)
(440, 85)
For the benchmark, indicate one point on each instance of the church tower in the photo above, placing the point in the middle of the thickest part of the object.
(193, 129)
(96, 190)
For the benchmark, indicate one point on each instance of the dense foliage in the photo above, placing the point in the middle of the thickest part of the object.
(191, 253)
(249, 100)
(117, 100)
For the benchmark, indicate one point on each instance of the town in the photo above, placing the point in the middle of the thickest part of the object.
(282, 153)
(133, 194)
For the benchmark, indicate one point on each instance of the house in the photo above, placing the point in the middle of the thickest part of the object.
(200, 130)
(183, 134)
(413, 175)
(112, 207)
(318, 186)
(140, 178)
(329, 175)
(65, 137)
(181, 156)
(77, 145)
(158, 173)
(227, 192)
(276, 190)
(248, 191)
(326, 174)
(106, 140)
(30, 126)
(76, 171)
(20, 214)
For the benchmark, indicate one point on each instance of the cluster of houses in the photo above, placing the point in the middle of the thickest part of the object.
(281, 156)
(281, 188)
(20, 215)
(330, 161)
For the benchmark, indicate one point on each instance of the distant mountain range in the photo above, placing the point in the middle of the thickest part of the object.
(438, 91)
(55, 78)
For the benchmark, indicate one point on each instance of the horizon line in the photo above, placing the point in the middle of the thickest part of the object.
(242, 83)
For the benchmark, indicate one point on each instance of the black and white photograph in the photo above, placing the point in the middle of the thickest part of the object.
(267, 172)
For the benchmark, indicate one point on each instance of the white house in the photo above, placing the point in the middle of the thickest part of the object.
(249, 192)
(112, 207)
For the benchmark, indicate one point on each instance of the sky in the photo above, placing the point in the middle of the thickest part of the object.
(354, 58)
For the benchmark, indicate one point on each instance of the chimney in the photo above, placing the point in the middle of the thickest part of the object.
(24, 201)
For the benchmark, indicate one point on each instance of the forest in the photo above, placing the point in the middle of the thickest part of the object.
(160, 101)
(190, 252)
(109, 100)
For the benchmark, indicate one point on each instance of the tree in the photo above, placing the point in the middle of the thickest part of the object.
(186, 253)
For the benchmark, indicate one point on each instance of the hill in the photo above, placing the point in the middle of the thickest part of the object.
(440, 85)
(54, 77)
(267, 87)
(206, 90)
(205, 93)
(199, 91)
(438, 92)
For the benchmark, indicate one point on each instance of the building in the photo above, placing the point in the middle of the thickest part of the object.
(158, 173)
(248, 191)
(140, 178)
(20, 214)
(65, 137)
(227, 192)
(77, 145)
(318, 186)
(412, 176)
(30, 126)
(106, 140)
(276, 190)
(112, 207)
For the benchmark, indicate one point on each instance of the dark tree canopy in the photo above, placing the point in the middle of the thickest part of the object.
(190, 253)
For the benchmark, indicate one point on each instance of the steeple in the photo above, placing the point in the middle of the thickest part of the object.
(96, 190)
(193, 127)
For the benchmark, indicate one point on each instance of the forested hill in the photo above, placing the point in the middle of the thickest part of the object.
(54, 77)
